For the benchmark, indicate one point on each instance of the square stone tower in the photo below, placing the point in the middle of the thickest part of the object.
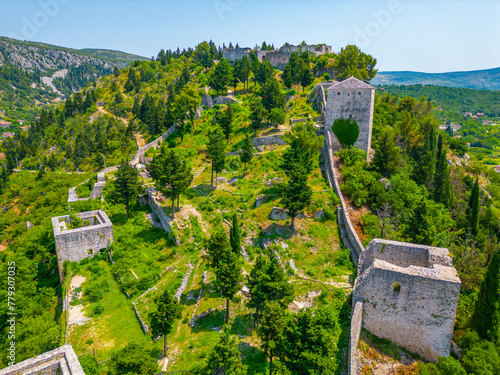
(410, 295)
(352, 99)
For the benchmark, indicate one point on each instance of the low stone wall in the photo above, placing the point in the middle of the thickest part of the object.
(155, 144)
(62, 360)
(268, 141)
(356, 325)
(163, 218)
(354, 240)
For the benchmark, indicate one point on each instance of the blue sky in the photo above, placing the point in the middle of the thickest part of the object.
(420, 35)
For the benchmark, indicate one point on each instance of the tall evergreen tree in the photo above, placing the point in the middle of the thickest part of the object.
(287, 77)
(473, 209)
(387, 157)
(426, 163)
(443, 188)
(126, 185)
(486, 317)
(225, 357)
(168, 310)
(270, 330)
(235, 236)
(346, 131)
(246, 154)
(229, 276)
(226, 121)
(221, 77)
(216, 150)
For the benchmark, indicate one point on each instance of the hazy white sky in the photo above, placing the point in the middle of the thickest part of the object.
(420, 35)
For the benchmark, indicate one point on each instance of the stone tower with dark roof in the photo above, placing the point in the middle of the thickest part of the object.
(352, 99)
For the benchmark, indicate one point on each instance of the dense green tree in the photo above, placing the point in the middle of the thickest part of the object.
(277, 117)
(216, 152)
(423, 172)
(229, 276)
(235, 236)
(133, 359)
(296, 194)
(473, 208)
(203, 56)
(244, 69)
(216, 245)
(246, 154)
(126, 185)
(168, 310)
(272, 97)
(304, 146)
(221, 77)
(352, 62)
(387, 158)
(443, 188)
(191, 98)
(287, 77)
(306, 344)
(226, 121)
(258, 114)
(270, 329)
(225, 357)
(265, 72)
(307, 76)
(486, 317)
(346, 131)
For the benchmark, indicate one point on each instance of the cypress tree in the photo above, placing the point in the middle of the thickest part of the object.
(387, 157)
(424, 171)
(442, 180)
(473, 211)
(485, 319)
(235, 236)
(246, 154)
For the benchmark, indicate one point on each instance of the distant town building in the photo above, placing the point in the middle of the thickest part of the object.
(480, 114)
(2, 155)
(26, 127)
(21, 122)
(7, 135)
(4, 124)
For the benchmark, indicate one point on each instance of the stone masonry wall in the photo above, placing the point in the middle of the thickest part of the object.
(414, 307)
(357, 103)
(154, 143)
(331, 173)
(158, 210)
(268, 141)
(62, 360)
(356, 325)
(80, 243)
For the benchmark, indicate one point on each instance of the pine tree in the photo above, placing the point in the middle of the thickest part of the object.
(307, 76)
(485, 319)
(226, 121)
(426, 165)
(225, 357)
(235, 236)
(473, 209)
(246, 154)
(127, 185)
(229, 276)
(287, 77)
(167, 312)
(221, 77)
(216, 151)
(443, 188)
(270, 330)
(216, 245)
(387, 157)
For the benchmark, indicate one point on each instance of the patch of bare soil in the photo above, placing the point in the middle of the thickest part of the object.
(76, 314)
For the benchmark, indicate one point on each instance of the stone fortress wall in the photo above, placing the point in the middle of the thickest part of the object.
(405, 293)
(62, 360)
(410, 295)
(277, 58)
(80, 243)
(352, 99)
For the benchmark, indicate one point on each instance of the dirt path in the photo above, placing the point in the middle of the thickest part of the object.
(76, 314)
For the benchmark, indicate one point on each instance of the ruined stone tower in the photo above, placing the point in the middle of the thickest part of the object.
(352, 99)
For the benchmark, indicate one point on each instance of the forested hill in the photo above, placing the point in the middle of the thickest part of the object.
(36, 73)
(478, 79)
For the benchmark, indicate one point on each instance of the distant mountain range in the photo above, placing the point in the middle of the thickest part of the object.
(35, 74)
(477, 79)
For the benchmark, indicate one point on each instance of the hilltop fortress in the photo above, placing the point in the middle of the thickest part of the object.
(277, 58)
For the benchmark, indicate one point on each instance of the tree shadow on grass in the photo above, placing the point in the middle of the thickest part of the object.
(243, 325)
(343, 342)
(212, 322)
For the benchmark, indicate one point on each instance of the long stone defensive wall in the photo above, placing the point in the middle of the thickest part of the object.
(354, 241)
(158, 210)
(154, 143)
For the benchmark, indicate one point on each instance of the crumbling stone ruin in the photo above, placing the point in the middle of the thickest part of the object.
(277, 58)
(410, 295)
(62, 360)
(84, 242)
(94, 194)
